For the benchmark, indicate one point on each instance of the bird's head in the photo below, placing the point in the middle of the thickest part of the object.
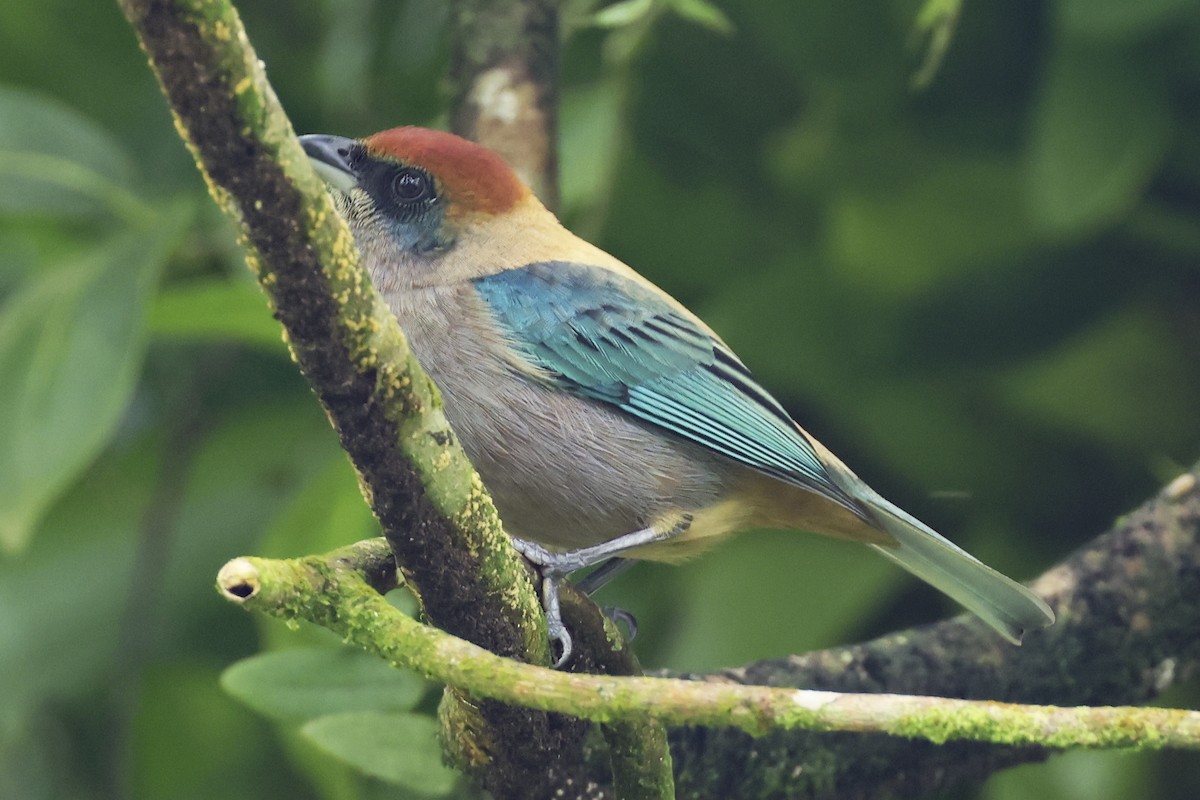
(413, 196)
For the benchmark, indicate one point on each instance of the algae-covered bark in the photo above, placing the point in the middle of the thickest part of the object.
(343, 337)
(332, 590)
(1128, 607)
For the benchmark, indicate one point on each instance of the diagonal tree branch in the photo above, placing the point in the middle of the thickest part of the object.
(434, 511)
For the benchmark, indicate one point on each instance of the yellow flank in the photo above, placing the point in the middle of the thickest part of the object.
(708, 527)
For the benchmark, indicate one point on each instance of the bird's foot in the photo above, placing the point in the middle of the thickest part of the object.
(555, 566)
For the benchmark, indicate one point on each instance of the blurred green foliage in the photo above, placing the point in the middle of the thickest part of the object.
(982, 294)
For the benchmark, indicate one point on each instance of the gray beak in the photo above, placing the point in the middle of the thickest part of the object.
(330, 157)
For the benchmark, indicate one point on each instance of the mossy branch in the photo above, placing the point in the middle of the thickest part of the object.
(340, 331)
(331, 591)
(1128, 606)
(437, 516)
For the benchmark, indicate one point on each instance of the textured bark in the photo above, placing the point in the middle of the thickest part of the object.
(504, 79)
(1128, 607)
(433, 509)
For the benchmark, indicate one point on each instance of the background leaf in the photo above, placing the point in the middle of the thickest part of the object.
(53, 160)
(71, 345)
(302, 683)
(623, 12)
(398, 748)
(704, 13)
(1100, 131)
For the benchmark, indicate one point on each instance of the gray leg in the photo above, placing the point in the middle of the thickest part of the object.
(555, 566)
(597, 579)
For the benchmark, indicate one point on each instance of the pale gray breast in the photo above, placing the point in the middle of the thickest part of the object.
(563, 470)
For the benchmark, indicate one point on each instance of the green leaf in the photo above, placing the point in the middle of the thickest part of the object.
(1126, 382)
(1100, 131)
(71, 346)
(304, 683)
(626, 12)
(85, 550)
(53, 160)
(934, 27)
(19, 259)
(950, 215)
(399, 748)
(217, 309)
(703, 13)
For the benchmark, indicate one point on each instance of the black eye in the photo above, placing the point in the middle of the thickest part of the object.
(411, 186)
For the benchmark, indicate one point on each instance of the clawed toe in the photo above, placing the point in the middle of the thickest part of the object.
(620, 615)
(554, 622)
(554, 566)
(563, 640)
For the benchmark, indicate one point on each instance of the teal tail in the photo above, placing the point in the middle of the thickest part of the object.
(999, 601)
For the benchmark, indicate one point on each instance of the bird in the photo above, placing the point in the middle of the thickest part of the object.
(609, 423)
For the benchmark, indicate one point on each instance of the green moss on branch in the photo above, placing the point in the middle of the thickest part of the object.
(386, 412)
(329, 591)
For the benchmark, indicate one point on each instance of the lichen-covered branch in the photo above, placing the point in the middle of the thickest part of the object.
(328, 590)
(434, 511)
(1128, 608)
(504, 77)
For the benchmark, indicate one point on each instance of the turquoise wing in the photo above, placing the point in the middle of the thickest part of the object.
(600, 335)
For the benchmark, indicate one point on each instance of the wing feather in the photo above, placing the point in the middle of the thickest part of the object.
(600, 335)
